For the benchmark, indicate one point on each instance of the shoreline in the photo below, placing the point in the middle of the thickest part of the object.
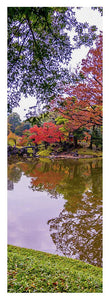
(81, 153)
(73, 157)
(58, 156)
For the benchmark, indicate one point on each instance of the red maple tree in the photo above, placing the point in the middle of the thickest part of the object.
(83, 104)
(48, 133)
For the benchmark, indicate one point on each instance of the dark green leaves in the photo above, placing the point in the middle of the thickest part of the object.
(39, 47)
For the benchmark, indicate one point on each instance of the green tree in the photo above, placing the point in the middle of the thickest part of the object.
(38, 47)
(13, 121)
(14, 173)
(21, 127)
(96, 137)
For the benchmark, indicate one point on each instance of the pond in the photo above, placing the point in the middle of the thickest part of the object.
(55, 206)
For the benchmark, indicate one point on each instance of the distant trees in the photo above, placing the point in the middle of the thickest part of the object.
(13, 139)
(15, 125)
(20, 128)
(14, 121)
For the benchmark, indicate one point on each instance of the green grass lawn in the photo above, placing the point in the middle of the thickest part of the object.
(31, 271)
(86, 151)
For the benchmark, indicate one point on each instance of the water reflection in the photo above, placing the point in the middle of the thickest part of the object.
(77, 230)
(79, 235)
(14, 175)
(10, 185)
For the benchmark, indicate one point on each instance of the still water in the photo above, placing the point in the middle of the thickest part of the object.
(56, 206)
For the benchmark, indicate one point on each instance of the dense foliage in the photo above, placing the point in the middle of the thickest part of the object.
(39, 48)
(77, 116)
(49, 133)
(38, 44)
(13, 121)
(15, 125)
(82, 107)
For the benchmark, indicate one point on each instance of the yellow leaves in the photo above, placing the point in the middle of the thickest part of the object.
(32, 285)
(12, 135)
(88, 108)
(13, 139)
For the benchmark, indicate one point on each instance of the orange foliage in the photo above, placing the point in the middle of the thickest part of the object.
(83, 104)
(14, 137)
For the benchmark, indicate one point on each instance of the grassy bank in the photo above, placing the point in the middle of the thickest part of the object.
(86, 151)
(37, 272)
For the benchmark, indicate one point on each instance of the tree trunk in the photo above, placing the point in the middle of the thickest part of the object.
(90, 147)
(91, 141)
(75, 142)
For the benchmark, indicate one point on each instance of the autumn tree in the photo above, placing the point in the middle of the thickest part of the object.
(13, 139)
(92, 70)
(82, 106)
(48, 133)
(24, 140)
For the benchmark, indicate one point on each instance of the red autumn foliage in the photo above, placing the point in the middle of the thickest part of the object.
(49, 133)
(83, 104)
(49, 179)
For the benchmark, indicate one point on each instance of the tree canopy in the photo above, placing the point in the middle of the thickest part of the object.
(38, 48)
(14, 121)
(82, 106)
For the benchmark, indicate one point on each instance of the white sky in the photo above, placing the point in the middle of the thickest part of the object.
(84, 15)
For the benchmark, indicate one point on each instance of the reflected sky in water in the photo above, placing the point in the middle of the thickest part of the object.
(56, 206)
(28, 214)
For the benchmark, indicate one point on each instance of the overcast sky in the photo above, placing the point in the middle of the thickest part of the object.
(83, 15)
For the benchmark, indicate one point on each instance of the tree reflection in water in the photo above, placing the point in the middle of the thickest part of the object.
(14, 175)
(79, 235)
(77, 231)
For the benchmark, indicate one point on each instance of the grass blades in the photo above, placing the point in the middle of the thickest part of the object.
(31, 271)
